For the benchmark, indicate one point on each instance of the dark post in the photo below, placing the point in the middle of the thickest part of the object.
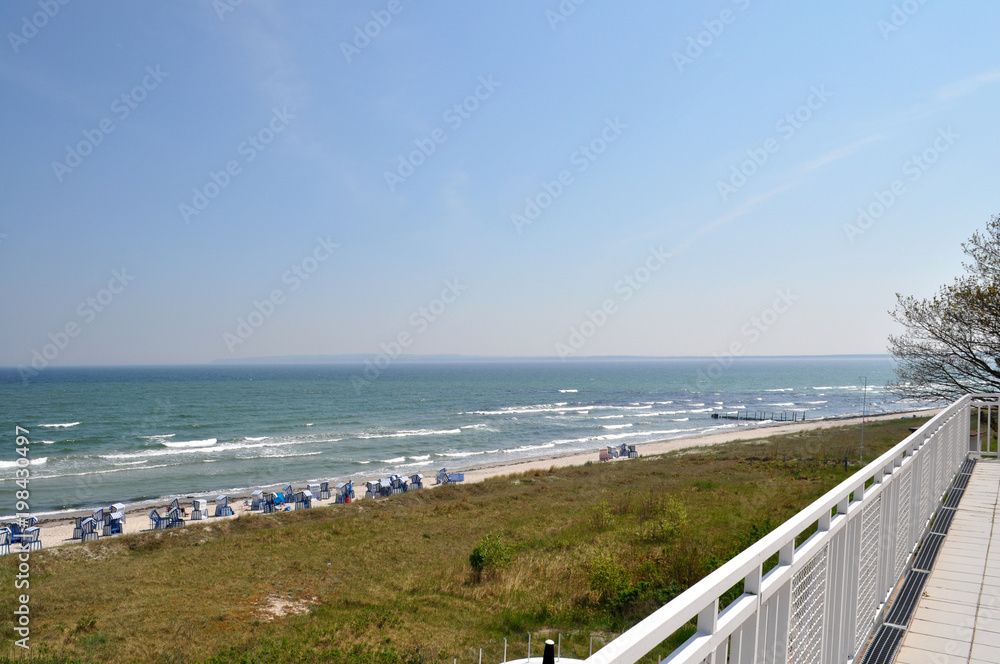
(549, 656)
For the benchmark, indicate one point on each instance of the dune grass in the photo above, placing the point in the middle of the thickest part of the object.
(589, 549)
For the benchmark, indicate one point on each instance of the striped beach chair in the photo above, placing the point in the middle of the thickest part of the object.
(304, 500)
(269, 502)
(4, 541)
(324, 491)
(222, 507)
(417, 481)
(385, 487)
(118, 507)
(77, 532)
(31, 539)
(371, 489)
(288, 492)
(157, 522)
(174, 518)
(199, 510)
(90, 528)
(113, 523)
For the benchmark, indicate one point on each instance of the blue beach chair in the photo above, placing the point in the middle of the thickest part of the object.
(90, 529)
(157, 522)
(324, 491)
(113, 523)
(222, 507)
(269, 502)
(304, 500)
(4, 541)
(199, 510)
(118, 507)
(371, 489)
(31, 540)
(417, 481)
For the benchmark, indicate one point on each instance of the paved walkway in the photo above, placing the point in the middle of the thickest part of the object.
(958, 616)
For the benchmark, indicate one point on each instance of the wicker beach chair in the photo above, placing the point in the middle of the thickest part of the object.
(417, 481)
(442, 477)
(288, 492)
(175, 518)
(113, 523)
(91, 530)
(4, 541)
(222, 507)
(303, 500)
(77, 533)
(31, 539)
(269, 502)
(324, 491)
(199, 510)
(156, 522)
(118, 507)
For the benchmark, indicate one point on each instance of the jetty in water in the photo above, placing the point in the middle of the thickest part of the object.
(762, 416)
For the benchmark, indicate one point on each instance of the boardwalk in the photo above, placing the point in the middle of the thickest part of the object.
(958, 616)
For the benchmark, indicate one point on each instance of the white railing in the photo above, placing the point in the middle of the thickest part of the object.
(826, 596)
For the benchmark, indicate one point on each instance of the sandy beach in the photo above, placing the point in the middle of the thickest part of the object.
(59, 531)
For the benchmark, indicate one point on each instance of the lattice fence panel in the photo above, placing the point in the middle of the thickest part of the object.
(808, 602)
(867, 597)
(904, 542)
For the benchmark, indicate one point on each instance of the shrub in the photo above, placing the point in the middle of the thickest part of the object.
(665, 521)
(491, 553)
(609, 580)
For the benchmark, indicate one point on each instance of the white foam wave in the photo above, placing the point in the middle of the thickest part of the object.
(407, 434)
(680, 419)
(208, 442)
(825, 387)
(614, 417)
(781, 389)
(814, 403)
(529, 448)
(46, 442)
(158, 435)
(474, 426)
(459, 455)
(112, 470)
(784, 405)
(60, 426)
(568, 391)
(394, 460)
(422, 457)
(617, 426)
(255, 438)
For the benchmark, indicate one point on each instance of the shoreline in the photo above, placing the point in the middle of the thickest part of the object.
(57, 530)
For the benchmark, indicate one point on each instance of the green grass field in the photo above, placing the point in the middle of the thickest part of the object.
(584, 550)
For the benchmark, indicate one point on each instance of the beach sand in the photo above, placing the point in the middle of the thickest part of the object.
(59, 531)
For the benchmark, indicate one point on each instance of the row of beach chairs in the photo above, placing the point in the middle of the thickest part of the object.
(23, 533)
(623, 451)
(393, 485)
(109, 521)
(444, 477)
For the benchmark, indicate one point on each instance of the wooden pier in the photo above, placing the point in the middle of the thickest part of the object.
(762, 416)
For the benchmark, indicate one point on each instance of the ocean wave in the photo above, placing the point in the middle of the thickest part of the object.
(781, 389)
(407, 434)
(568, 391)
(60, 426)
(111, 470)
(277, 456)
(617, 426)
(45, 442)
(825, 387)
(784, 405)
(208, 442)
(459, 455)
(482, 425)
(813, 403)
(614, 417)
(207, 449)
(395, 460)
(529, 448)
(309, 424)
(159, 435)
(34, 462)
(680, 419)
(130, 463)
(255, 438)
(422, 457)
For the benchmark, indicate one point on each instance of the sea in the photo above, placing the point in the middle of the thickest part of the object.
(148, 434)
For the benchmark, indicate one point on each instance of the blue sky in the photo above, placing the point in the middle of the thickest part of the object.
(422, 149)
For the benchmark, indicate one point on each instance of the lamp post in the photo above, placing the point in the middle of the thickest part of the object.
(864, 412)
